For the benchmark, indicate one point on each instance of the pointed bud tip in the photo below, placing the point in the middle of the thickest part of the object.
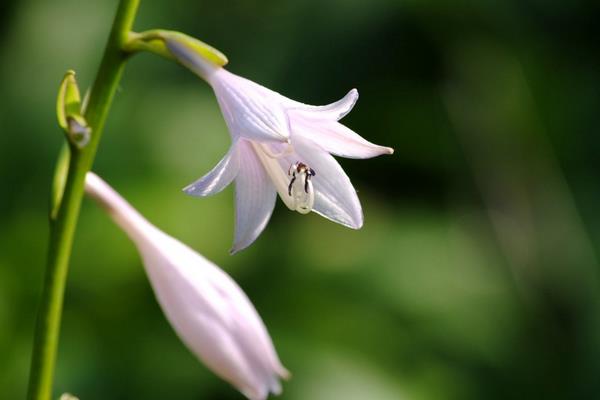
(284, 373)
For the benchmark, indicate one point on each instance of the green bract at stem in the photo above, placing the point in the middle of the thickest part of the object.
(154, 41)
(60, 180)
(65, 211)
(68, 101)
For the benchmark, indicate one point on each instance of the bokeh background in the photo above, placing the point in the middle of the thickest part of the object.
(476, 273)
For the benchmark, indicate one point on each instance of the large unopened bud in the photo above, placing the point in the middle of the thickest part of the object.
(208, 310)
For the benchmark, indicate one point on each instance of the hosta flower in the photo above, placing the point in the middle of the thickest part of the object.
(279, 146)
(207, 309)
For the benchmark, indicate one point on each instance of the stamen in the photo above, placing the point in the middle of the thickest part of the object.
(295, 188)
(300, 188)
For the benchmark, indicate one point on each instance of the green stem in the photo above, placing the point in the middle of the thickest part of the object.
(62, 227)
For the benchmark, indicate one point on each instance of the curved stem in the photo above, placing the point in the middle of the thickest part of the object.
(62, 226)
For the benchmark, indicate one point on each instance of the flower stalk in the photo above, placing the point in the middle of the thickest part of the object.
(65, 213)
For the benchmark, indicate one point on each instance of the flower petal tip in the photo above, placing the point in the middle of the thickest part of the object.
(357, 221)
(357, 226)
(189, 190)
(389, 150)
(236, 248)
(239, 246)
(347, 103)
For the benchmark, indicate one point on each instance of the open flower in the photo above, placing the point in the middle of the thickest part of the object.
(207, 309)
(279, 146)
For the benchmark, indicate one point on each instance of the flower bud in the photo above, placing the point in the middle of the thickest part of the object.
(208, 310)
(69, 112)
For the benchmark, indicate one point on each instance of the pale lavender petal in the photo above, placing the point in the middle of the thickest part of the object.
(335, 138)
(335, 197)
(250, 110)
(255, 198)
(219, 177)
(334, 111)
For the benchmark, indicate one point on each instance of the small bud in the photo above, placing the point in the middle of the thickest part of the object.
(69, 100)
(69, 112)
(68, 396)
(78, 131)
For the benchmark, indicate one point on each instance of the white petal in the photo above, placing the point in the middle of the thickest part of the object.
(250, 110)
(335, 138)
(334, 111)
(219, 177)
(335, 197)
(255, 198)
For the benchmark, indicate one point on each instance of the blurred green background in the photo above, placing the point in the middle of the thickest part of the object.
(476, 273)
